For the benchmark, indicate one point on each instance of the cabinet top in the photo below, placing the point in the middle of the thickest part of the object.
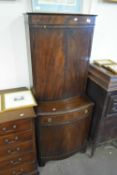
(104, 78)
(60, 19)
(59, 14)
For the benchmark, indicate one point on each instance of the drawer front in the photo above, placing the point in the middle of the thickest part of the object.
(65, 118)
(17, 160)
(11, 139)
(17, 114)
(112, 104)
(15, 126)
(64, 106)
(61, 19)
(17, 149)
(21, 170)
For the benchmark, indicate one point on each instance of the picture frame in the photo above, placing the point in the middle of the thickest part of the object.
(19, 99)
(112, 0)
(57, 6)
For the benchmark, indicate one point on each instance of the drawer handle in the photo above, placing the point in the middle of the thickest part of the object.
(86, 111)
(4, 129)
(18, 148)
(76, 19)
(22, 114)
(18, 173)
(53, 109)
(49, 120)
(88, 20)
(9, 151)
(13, 151)
(16, 162)
(7, 141)
(14, 126)
(114, 109)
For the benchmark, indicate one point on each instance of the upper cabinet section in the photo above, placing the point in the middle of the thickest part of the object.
(60, 51)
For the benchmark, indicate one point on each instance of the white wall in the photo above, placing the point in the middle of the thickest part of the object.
(105, 36)
(13, 56)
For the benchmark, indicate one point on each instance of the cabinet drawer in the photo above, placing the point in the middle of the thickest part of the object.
(17, 149)
(64, 106)
(24, 169)
(65, 118)
(112, 104)
(11, 139)
(15, 126)
(61, 19)
(17, 114)
(17, 160)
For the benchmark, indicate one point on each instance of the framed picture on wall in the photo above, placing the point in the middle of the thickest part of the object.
(57, 6)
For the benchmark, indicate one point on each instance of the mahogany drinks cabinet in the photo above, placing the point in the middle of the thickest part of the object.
(60, 51)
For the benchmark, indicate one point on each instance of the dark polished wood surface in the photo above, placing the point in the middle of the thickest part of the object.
(17, 147)
(68, 138)
(60, 51)
(63, 131)
(104, 123)
(17, 140)
(63, 106)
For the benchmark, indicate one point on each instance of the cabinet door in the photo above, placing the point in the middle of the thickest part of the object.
(61, 140)
(60, 56)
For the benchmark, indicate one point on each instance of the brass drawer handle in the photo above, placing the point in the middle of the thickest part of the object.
(7, 141)
(18, 148)
(4, 129)
(53, 109)
(14, 126)
(16, 162)
(13, 151)
(22, 114)
(49, 120)
(18, 173)
(86, 111)
(9, 151)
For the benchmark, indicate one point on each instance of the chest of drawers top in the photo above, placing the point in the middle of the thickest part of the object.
(15, 112)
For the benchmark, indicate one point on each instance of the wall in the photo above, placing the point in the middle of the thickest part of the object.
(14, 71)
(105, 36)
(13, 56)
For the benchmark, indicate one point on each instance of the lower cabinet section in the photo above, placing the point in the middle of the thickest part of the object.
(59, 141)
(62, 133)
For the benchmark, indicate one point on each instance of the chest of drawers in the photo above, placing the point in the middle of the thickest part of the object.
(17, 142)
